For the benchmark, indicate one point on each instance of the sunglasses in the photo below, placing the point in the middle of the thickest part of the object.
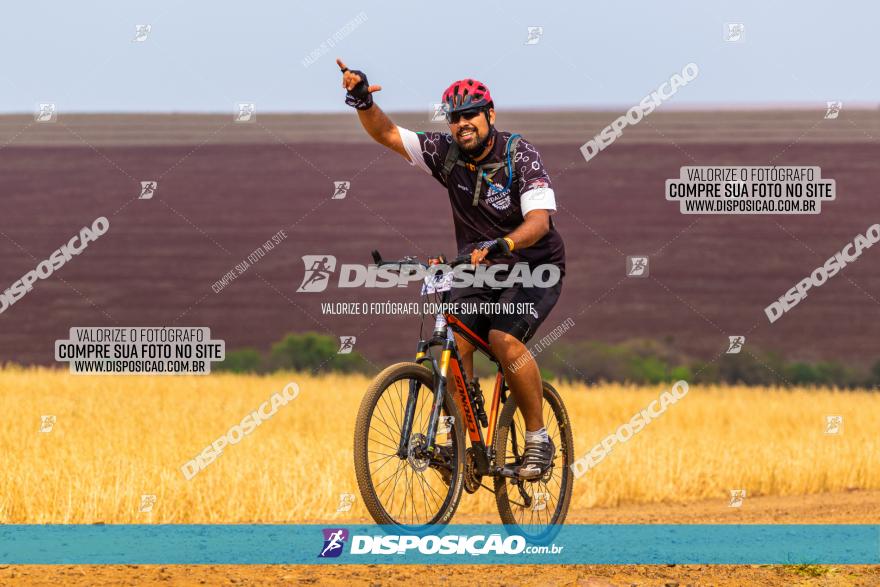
(455, 117)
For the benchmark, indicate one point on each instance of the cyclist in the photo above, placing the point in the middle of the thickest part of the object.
(502, 200)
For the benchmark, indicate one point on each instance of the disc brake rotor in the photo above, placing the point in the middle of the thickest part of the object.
(417, 447)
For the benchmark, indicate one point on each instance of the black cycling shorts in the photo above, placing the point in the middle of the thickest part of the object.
(522, 325)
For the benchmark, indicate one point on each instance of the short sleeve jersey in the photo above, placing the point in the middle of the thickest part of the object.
(500, 208)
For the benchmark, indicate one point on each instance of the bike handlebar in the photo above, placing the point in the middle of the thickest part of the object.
(460, 260)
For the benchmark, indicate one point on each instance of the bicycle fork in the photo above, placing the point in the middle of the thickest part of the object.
(440, 387)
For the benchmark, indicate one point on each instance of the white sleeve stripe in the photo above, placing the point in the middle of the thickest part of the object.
(538, 199)
(413, 148)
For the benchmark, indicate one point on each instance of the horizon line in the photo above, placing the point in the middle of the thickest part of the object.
(694, 107)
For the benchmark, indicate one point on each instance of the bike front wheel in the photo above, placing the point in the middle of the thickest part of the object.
(408, 488)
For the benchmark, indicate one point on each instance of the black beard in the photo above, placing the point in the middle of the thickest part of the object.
(478, 149)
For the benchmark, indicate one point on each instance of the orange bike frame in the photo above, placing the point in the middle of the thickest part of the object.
(450, 370)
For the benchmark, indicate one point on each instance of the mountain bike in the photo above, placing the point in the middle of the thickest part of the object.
(416, 419)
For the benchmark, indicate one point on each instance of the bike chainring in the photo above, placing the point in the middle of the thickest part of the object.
(472, 480)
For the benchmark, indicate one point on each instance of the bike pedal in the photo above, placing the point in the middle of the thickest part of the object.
(508, 471)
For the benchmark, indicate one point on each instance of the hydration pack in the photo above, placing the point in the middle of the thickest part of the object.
(487, 170)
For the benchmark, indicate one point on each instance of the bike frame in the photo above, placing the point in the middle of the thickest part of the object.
(449, 367)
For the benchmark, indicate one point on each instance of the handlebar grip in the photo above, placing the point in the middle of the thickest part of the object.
(460, 260)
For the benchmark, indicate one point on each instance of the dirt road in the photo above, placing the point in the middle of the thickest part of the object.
(856, 507)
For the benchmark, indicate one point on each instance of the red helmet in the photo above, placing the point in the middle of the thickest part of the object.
(466, 94)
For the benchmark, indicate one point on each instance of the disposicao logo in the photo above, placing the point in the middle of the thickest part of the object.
(320, 268)
(45, 269)
(334, 541)
(318, 271)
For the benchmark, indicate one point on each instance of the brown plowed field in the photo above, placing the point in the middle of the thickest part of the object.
(224, 189)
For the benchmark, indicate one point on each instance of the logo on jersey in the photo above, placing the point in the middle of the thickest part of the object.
(537, 183)
(499, 200)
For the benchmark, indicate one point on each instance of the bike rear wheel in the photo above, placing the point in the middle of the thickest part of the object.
(536, 509)
(413, 491)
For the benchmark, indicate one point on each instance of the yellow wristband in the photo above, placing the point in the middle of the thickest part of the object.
(509, 242)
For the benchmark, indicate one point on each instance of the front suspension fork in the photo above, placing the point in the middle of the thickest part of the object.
(412, 400)
(440, 370)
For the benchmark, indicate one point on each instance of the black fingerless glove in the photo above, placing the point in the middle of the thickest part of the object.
(497, 248)
(359, 97)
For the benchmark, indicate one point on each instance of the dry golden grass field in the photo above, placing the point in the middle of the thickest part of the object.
(117, 438)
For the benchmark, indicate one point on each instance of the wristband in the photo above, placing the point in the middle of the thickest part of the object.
(509, 242)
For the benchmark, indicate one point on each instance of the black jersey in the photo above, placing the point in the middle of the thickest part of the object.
(501, 207)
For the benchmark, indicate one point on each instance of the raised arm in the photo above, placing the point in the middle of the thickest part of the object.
(375, 122)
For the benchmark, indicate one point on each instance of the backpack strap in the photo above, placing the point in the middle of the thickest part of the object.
(453, 159)
(490, 169)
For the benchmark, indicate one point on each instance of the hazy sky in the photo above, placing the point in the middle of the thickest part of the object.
(207, 56)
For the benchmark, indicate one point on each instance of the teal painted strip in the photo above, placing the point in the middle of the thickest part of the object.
(467, 544)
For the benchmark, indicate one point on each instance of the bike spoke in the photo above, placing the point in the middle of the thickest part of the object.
(383, 418)
(402, 405)
(395, 475)
(386, 460)
(387, 427)
(388, 446)
(421, 479)
(382, 458)
(427, 483)
(405, 488)
(381, 453)
(393, 449)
